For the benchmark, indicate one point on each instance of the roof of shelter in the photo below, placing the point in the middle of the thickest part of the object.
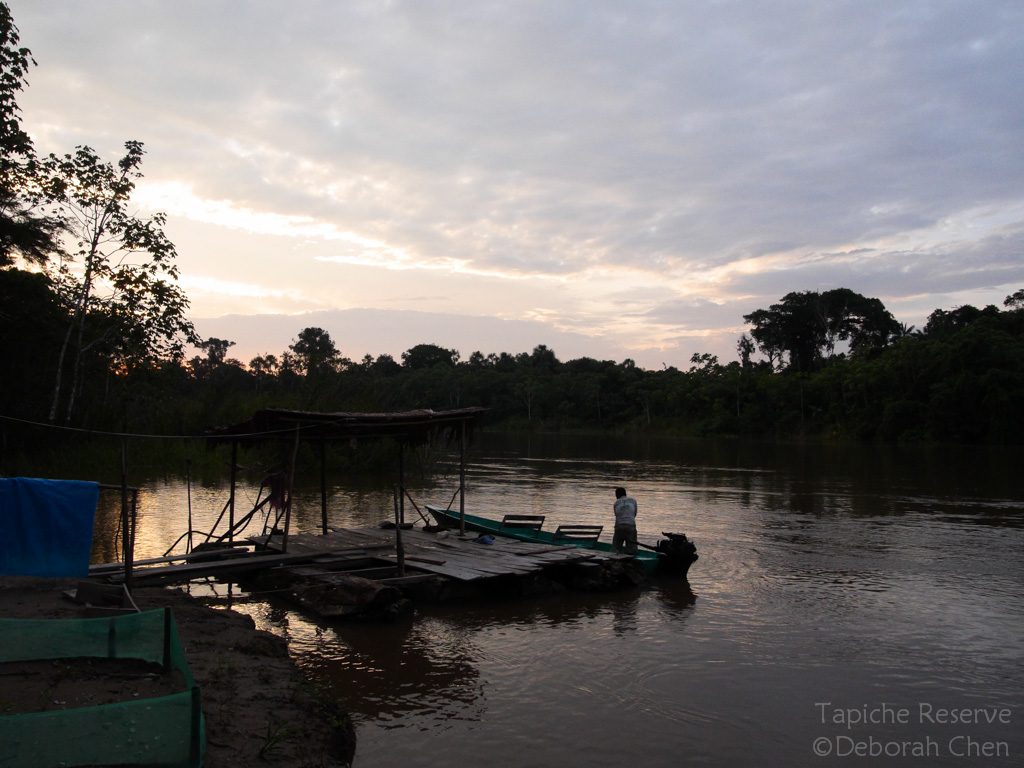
(410, 426)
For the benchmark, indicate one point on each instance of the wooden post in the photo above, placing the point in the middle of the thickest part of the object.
(399, 547)
(462, 479)
(323, 485)
(134, 519)
(400, 510)
(231, 498)
(291, 491)
(128, 539)
(188, 485)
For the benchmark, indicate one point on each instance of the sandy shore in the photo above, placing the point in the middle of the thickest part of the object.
(259, 709)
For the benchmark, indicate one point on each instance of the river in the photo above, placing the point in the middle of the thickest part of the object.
(851, 604)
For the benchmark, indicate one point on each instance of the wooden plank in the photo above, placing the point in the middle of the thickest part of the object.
(208, 554)
(450, 570)
(491, 566)
(188, 571)
(521, 523)
(571, 533)
(307, 542)
(514, 558)
(543, 550)
(419, 559)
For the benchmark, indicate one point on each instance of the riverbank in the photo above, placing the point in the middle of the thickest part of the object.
(258, 707)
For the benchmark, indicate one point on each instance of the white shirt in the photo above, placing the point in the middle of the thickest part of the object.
(625, 511)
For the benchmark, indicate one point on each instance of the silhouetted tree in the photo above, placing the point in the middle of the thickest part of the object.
(25, 229)
(427, 356)
(127, 271)
(807, 324)
(314, 350)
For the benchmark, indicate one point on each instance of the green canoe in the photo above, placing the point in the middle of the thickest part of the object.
(672, 555)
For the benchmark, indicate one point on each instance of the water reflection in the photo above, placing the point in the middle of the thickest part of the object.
(677, 599)
(847, 574)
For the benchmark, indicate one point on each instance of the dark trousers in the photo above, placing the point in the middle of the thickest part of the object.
(624, 539)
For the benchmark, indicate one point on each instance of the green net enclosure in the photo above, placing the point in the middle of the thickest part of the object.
(143, 706)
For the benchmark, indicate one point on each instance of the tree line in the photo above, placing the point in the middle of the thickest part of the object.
(94, 334)
(960, 378)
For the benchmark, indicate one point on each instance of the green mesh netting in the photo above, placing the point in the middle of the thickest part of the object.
(164, 731)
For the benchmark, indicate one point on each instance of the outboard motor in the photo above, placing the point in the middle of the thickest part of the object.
(679, 553)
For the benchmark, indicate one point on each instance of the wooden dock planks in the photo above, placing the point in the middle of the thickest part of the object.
(452, 556)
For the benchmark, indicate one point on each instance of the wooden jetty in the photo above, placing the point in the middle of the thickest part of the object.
(431, 567)
(460, 558)
(364, 573)
(373, 572)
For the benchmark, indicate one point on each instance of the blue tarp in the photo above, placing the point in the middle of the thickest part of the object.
(46, 526)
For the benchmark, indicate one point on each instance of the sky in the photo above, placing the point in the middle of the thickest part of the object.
(612, 180)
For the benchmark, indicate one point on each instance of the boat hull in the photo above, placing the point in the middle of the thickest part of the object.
(675, 560)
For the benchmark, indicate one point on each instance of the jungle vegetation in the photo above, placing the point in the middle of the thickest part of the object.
(822, 375)
(94, 335)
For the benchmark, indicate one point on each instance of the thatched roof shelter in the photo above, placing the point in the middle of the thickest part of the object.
(409, 427)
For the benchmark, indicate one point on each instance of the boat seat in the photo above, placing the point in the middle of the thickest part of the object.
(521, 522)
(578, 534)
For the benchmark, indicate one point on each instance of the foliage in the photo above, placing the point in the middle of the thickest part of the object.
(314, 350)
(806, 326)
(108, 303)
(25, 230)
(424, 356)
(116, 277)
(960, 379)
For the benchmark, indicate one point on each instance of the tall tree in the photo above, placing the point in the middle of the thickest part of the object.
(806, 326)
(946, 323)
(216, 349)
(745, 348)
(543, 359)
(428, 355)
(792, 326)
(25, 229)
(864, 322)
(314, 349)
(118, 277)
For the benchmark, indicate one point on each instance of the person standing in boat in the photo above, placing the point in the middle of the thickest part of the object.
(624, 538)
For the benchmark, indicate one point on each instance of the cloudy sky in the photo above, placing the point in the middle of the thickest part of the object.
(610, 179)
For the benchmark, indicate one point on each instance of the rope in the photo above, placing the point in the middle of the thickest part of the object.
(103, 433)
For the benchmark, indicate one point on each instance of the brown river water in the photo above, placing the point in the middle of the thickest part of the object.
(851, 606)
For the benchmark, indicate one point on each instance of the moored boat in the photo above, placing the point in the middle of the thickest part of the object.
(673, 555)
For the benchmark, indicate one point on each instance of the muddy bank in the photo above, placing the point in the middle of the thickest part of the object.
(258, 707)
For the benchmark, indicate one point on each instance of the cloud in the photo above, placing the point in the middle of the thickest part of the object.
(650, 172)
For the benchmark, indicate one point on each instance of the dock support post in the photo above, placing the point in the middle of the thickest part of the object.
(231, 498)
(400, 510)
(291, 492)
(188, 485)
(128, 538)
(399, 547)
(323, 485)
(462, 478)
